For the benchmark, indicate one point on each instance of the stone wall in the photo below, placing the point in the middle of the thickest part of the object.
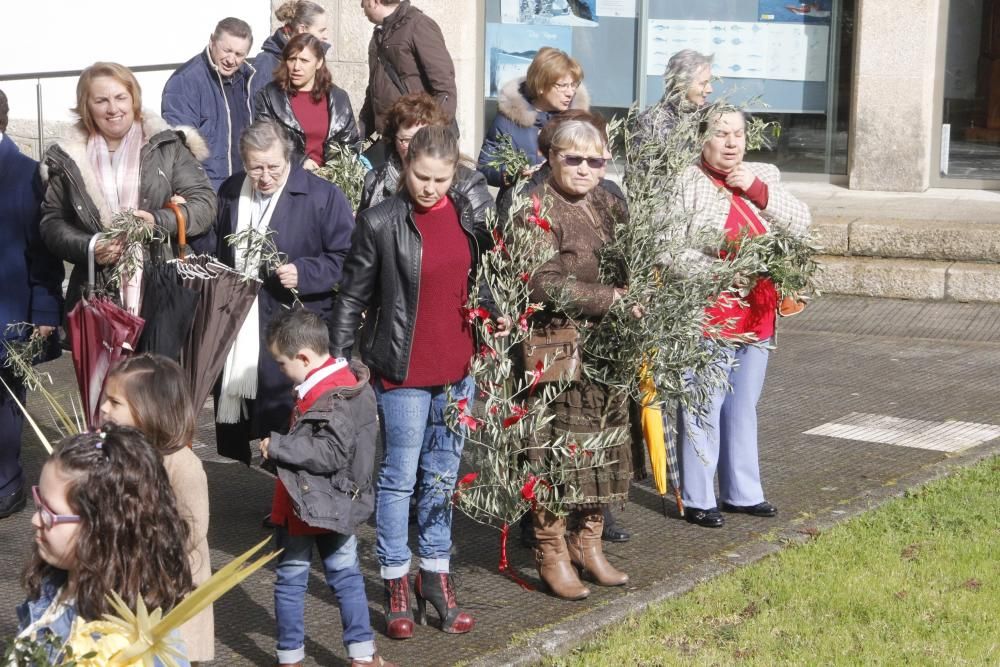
(460, 22)
(892, 109)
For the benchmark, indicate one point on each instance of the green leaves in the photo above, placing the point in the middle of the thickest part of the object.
(344, 169)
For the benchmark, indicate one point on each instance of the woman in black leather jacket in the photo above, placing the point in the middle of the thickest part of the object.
(412, 264)
(302, 98)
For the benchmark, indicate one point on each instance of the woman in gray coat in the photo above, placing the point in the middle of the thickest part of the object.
(119, 157)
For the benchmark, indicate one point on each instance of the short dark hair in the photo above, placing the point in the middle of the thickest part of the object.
(235, 27)
(298, 329)
(4, 110)
(413, 109)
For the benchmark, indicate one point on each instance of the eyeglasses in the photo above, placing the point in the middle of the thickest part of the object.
(272, 171)
(403, 141)
(564, 87)
(577, 160)
(50, 518)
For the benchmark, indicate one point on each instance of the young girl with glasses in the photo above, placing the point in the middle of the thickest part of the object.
(105, 521)
(150, 392)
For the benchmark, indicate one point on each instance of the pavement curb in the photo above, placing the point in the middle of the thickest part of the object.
(563, 637)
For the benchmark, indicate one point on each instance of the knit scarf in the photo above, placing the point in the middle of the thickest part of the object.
(119, 182)
(239, 377)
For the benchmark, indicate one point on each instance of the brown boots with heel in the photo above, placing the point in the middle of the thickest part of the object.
(558, 557)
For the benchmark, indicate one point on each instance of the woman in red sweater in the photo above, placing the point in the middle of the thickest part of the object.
(315, 113)
(412, 263)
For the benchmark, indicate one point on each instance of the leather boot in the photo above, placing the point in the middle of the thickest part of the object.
(552, 558)
(587, 552)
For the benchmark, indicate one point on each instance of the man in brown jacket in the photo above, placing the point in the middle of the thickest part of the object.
(407, 54)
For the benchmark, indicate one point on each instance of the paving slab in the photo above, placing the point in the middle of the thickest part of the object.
(930, 361)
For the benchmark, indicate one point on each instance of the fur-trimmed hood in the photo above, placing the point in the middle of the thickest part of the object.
(513, 102)
(155, 130)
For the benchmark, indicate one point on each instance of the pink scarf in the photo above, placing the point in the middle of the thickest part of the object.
(119, 181)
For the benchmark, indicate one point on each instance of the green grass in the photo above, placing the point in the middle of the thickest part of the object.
(914, 582)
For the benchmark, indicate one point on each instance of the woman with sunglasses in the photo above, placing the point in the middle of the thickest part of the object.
(583, 217)
(524, 106)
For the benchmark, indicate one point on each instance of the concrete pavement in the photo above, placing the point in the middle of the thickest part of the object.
(853, 389)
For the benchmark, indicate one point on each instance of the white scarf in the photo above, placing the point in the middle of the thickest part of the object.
(118, 177)
(239, 377)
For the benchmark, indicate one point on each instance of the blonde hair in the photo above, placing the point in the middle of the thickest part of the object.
(119, 73)
(577, 135)
(548, 66)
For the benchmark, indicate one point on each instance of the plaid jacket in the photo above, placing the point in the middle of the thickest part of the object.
(709, 207)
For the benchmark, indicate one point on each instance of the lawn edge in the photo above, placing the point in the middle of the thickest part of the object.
(564, 636)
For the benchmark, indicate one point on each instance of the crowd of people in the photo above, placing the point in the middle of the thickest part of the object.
(359, 334)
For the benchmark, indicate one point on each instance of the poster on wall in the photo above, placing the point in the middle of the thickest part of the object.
(618, 8)
(572, 13)
(743, 49)
(783, 11)
(511, 47)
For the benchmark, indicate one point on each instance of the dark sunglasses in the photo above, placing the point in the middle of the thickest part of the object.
(577, 160)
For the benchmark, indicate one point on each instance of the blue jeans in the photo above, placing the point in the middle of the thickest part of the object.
(343, 574)
(421, 455)
(725, 440)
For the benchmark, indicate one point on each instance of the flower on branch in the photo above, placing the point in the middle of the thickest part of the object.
(536, 214)
(522, 319)
(525, 276)
(530, 487)
(536, 376)
(473, 314)
(487, 351)
(518, 412)
(498, 243)
(464, 418)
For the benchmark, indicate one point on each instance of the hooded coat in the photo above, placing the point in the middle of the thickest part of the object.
(74, 207)
(518, 119)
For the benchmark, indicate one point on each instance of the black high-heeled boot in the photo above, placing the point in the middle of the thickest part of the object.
(398, 615)
(438, 589)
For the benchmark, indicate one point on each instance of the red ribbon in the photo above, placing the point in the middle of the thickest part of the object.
(464, 418)
(536, 214)
(504, 566)
(462, 485)
(518, 413)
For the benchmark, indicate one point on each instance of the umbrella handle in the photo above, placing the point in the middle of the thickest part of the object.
(92, 261)
(181, 227)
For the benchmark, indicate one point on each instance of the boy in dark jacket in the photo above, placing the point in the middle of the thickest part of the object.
(324, 487)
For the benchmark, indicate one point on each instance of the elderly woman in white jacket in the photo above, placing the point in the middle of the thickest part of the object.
(722, 193)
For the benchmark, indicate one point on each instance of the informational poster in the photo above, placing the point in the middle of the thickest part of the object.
(619, 8)
(783, 11)
(743, 49)
(511, 47)
(571, 13)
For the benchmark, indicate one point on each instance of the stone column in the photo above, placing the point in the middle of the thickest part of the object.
(350, 32)
(892, 108)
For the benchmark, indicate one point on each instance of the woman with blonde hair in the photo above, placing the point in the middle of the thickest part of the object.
(554, 83)
(119, 157)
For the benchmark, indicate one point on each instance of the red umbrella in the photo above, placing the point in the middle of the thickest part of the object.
(100, 333)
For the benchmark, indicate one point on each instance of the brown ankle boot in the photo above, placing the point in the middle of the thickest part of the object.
(587, 552)
(552, 559)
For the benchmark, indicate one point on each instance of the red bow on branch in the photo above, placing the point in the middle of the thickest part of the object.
(464, 418)
(536, 376)
(462, 485)
(498, 243)
(536, 214)
(518, 413)
(473, 314)
(530, 487)
(522, 319)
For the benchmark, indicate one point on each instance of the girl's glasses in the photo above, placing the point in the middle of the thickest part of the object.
(50, 518)
(577, 160)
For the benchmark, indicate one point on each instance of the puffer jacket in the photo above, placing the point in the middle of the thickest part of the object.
(268, 60)
(412, 43)
(326, 460)
(272, 102)
(74, 207)
(194, 96)
(518, 119)
(382, 276)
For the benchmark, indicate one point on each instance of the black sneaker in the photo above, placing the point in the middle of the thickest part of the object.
(13, 503)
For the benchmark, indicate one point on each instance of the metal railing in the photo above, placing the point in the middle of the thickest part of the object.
(65, 74)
